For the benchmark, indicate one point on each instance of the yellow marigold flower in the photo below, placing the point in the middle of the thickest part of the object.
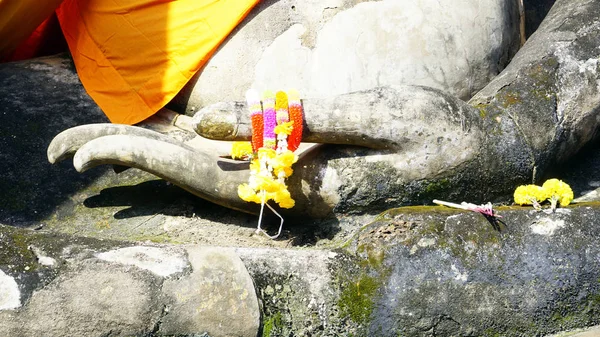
(255, 166)
(287, 203)
(284, 128)
(287, 171)
(284, 199)
(529, 195)
(246, 193)
(241, 150)
(283, 163)
(558, 191)
(287, 159)
(267, 184)
(266, 153)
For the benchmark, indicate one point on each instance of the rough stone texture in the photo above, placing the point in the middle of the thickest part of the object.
(550, 91)
(9, 292)
(419, 271)
(299, 291)
(552, 287)
(91, 301)
(218, 297)
(327, 48)
(433, 271)
(111, 288)
(159, 261)
(458, 274)
(589, 332)
(38, 98)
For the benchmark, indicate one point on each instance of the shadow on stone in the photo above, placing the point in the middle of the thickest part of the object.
(38, 99)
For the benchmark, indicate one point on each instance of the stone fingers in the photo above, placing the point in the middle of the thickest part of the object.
(193, 170)
(66, 143)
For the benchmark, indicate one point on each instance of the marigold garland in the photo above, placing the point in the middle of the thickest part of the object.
(269, 119)
(275, 122)
(281, 107)
(295, 112)
(256, 118)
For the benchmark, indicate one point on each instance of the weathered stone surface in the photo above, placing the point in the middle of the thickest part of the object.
(57, 285)
(327, 48)
(157, 260)
(456, 274)
(439, 272)
(299, 291)
(589, 332)
(470, 277)
(217, 297)
(38, 98)
(91, 301)
(9, 292)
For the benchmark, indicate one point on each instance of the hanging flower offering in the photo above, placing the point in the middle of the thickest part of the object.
(273, 123)
(558, 192)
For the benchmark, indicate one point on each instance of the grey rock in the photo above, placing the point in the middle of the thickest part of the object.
(101, 288)
(589, 332)
(436, 271)
(527, 275)
(10, 296)
(217, 297)
(298, 291)
(333, 47)
(157, 260)
(535, 12)
(34, 94)
(91, 301)
(414, 270)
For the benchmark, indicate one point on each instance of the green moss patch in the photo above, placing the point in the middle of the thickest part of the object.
(357, 298)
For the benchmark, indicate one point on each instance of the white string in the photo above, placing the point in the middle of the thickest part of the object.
(262, 207)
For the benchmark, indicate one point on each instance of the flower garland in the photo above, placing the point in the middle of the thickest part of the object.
(256, 118)
(272, 155)
(295, 112)
(553, 190)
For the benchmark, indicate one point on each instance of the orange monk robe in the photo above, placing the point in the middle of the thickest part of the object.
(19, 19)
(134, 56)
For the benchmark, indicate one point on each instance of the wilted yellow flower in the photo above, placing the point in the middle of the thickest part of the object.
(558, 191)
(241, 150)
(529, 195)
